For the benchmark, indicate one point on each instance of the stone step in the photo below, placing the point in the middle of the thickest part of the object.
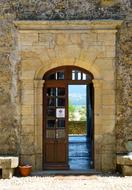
(65, 172)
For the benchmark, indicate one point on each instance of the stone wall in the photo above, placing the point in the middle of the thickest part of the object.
(9, 119)
(58, 9)
(124, 85)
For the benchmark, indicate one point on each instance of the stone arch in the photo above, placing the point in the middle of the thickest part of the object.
(97, 83)
(80, 63)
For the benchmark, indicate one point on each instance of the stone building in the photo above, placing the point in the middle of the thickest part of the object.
(37, 36)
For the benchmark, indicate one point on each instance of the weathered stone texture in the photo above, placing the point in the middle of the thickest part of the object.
(124, 85)
(10, 68)
(8, 118)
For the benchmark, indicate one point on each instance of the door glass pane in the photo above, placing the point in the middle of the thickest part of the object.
(84, 76)
(60, 123)
(76, 75)
(79, 76)
(51, 102)
(51, 123)
(51, 112)
(88, 77)
(51, 77)
(51, 91)
(60, 133)
(73, 75)
(60, 91)
(60, 102)
(60, 75)
(50, 133)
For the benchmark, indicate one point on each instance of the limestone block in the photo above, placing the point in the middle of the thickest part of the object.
(98, 119)
(97, 162)
(27, 121)
(27, 99)
(98, 144)
(63, 39)
(8, 162)
(27, 84)
(75, 38)
(108, 100)
(98, 129)
(39, 109)
(28, 38)
(27, 74)
(107, 38)
(27, 92)
(124, 160)
(39, 142)
(27, 144)
(108, 116)
(30, 63)
(108, 85)
(110, 51)
(96, 51)
(47, 40)
(67, 52)
(108, 126)
(39, 161)
(7, 173)
(109, 92)
(108, 162)
(127, 170)
(89, 37)
(27, 129)
(108, 75)
(105, 63)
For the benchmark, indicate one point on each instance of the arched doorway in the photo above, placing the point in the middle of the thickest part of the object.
(55, 110)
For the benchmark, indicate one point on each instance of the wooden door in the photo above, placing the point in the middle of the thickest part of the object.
(55, 125)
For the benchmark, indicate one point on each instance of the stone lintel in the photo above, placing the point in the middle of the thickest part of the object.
(99, 25)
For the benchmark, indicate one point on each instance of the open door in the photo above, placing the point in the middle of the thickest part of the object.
(55, 125)
(55, 113)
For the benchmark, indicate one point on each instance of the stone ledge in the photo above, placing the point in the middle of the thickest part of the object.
(126, 164)
(124, 160)
(7, 164)
(68, 25)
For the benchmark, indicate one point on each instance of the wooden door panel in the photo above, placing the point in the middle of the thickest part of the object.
(55, 126)
(50, 152)
(60, 152)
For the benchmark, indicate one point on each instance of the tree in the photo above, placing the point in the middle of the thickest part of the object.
(71, 109)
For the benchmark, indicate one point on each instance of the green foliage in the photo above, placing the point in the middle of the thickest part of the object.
(77, 127)
(82, 112)
(71, 109)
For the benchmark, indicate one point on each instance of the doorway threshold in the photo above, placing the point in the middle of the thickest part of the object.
(65, 172)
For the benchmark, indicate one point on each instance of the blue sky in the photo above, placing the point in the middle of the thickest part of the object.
(77, 94)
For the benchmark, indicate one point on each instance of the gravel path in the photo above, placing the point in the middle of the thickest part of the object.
(67, 183)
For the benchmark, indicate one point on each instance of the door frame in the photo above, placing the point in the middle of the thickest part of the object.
(92, 103)
(67, 82)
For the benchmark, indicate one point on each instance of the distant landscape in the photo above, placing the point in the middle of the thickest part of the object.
(77, 102)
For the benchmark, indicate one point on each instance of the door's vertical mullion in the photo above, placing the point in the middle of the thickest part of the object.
(66, 120)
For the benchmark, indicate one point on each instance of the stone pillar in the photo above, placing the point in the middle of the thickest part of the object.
(97, 123)
(38, 106)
